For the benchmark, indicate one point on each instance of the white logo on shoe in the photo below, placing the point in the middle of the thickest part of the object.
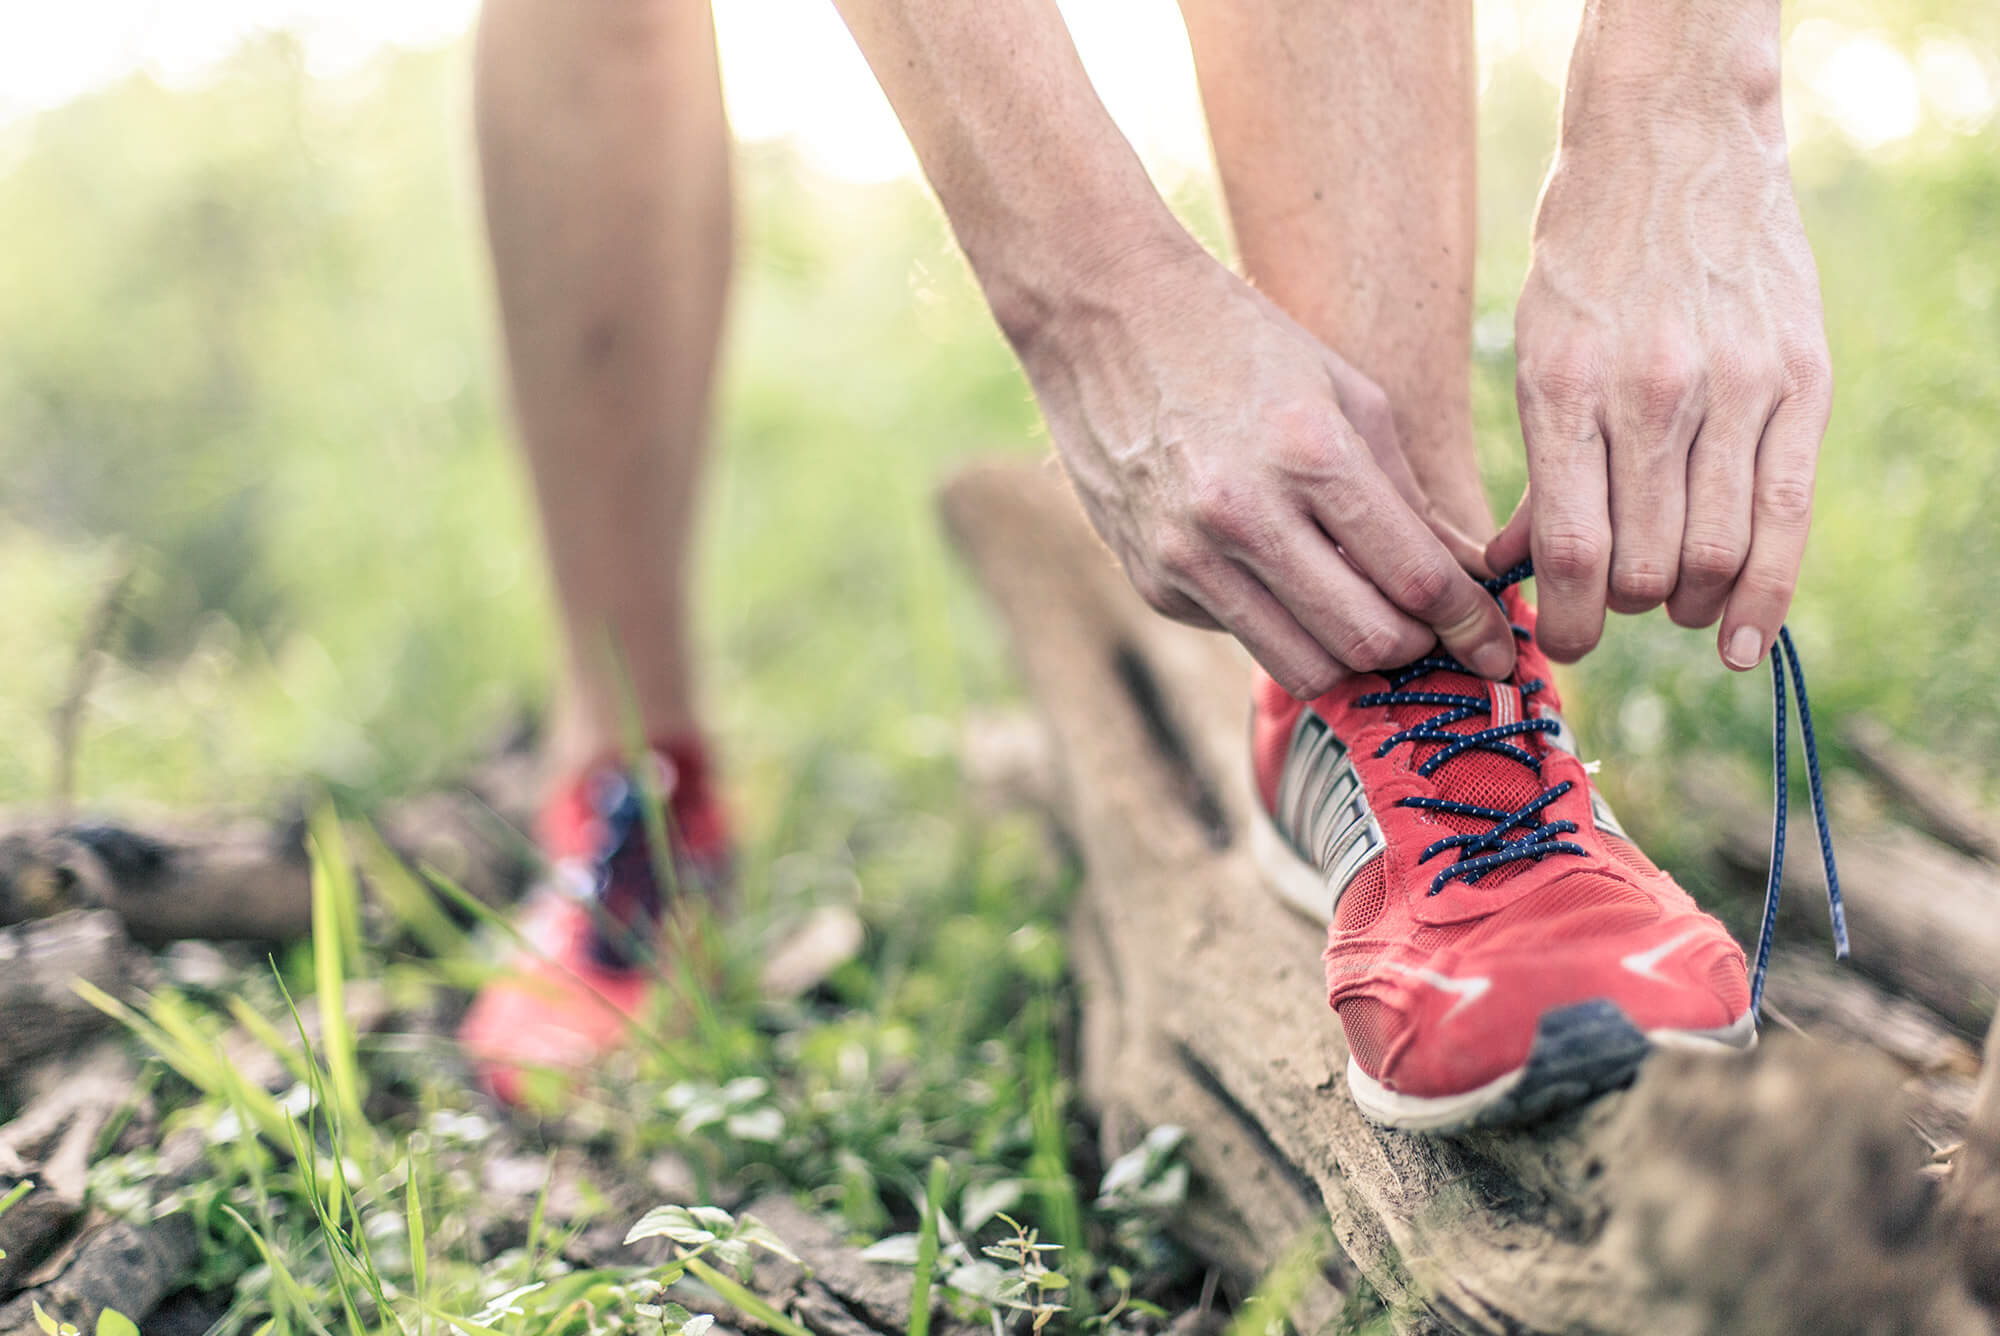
(1641, 963)
(1469, 990)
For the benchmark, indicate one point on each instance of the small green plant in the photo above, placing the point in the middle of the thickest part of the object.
(1032, 1286)
(110, 1322)
(13, 1195)
(1124, 1303)
(698, 1233)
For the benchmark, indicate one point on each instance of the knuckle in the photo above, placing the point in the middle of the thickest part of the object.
(1570, 554)
(1563, 374)
(1306, 442)
(1373, 645)
(1157, 594)
(1659, 390)
(1368, 411)
(1642, 580)
(1424, 587)
(1312, 680)
(1808, 374)
(1178, 554)
(1740, 378)
(1708, 560)
(1786, 501)
(1771, 588)
(1222, 505)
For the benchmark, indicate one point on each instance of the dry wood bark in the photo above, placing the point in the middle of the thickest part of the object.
(119, 1263)
(1925, 919)
(109, 1261)
(836, 1293)
(39, 1010)
(1204, 1006)
(176, 877)
(1913, 780)
(1973, 1197)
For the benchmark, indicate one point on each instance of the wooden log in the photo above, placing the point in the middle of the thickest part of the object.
(1204, 1006)
(121, 1264)
(1924, 918)
(48, 1144)
(172, 877)
(130, 1264)
(1973, 1196)
(39, 1010)
(1830, 1004)
(1934, 804)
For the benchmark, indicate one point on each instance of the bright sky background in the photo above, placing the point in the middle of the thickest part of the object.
(792, 71)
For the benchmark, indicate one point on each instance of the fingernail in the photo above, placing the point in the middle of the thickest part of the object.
(1492, 660)
(1745, 648)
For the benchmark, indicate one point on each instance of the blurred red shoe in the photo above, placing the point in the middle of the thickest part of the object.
(596, 931)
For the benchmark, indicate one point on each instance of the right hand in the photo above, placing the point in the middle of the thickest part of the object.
(1251, 480)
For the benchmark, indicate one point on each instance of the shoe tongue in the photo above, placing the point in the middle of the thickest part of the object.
(1476, 775)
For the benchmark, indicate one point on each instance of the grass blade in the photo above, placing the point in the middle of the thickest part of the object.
(336, 942)
(927, 1248)
(743, 1299)
(413, 1205)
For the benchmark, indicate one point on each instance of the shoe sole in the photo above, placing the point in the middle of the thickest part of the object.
(1580, 1051)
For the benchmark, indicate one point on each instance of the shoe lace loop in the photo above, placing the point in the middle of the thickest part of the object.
(1515, 835)
(1522, 833)
(1781, 784)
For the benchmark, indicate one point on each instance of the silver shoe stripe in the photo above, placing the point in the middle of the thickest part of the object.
(1298, 757)
(1322, 751)
(1323, 809)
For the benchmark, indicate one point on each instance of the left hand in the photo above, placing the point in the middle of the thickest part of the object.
(1673, 377)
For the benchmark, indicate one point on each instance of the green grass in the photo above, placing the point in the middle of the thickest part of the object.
(244, 341)
(922, 1089)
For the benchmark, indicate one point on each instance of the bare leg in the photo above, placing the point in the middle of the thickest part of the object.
(1344, 132)
(605, 159)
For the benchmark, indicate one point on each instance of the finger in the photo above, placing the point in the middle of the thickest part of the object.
(1175, 606)
(1335, 603)
(1571, 526)
(1721, 472)
(1653, 421)
(1511, 546)
(1367, 410)
(1294, 658)
(1780, 515)
(1387, 542)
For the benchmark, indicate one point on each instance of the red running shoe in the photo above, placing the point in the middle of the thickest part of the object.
(596, 928)
(1497, 949)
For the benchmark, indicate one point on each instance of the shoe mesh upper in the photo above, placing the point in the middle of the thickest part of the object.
(1364, 900)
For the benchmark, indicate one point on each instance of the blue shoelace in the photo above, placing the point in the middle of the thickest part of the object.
(1523, 834)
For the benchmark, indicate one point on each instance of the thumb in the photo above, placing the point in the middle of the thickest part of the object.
(1512, 545)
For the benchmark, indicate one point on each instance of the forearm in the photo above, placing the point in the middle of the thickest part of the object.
(1044, 194)
(1345, 137)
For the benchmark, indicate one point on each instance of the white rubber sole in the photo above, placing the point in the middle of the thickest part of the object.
(1600, 1052)
(1297, 883)
(1579, 1052)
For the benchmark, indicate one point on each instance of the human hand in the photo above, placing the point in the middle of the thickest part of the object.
(1249, 479)
(1673, 378)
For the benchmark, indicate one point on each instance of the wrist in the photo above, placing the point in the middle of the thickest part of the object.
(1695, 61)
(1046, 275)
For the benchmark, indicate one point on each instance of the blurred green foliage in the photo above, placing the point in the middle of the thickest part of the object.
(245, 343)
